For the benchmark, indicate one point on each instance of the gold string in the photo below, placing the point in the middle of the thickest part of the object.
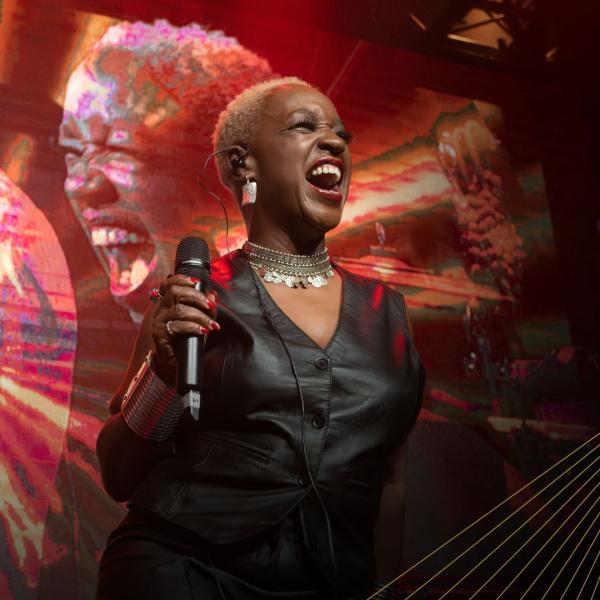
(518, 528)
(504, 521)
(454, 537)
(572, 553)
(579, 567)
(547, 542)
(597, 582)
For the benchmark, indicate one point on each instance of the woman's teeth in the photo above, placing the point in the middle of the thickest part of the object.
(111, 236)
(327, 169)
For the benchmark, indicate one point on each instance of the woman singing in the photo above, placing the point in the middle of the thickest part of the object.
(311, 383)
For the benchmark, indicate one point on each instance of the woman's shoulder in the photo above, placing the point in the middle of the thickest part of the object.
(375, 288)
(383, 299)
(227, 269)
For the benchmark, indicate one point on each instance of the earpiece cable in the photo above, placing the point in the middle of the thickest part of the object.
(293, 367)
(215, 196)
(303, 415)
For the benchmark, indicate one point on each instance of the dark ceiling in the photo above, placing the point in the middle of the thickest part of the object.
(538, 40)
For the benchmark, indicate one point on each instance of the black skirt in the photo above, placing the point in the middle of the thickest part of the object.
(148, 557)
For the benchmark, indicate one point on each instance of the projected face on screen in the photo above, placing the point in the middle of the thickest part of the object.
(130, 195)
(138, 119)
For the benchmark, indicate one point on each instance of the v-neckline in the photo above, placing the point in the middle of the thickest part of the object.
(265, 292)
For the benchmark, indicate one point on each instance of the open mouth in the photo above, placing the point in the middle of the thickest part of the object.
(325, 176)
(126, 246)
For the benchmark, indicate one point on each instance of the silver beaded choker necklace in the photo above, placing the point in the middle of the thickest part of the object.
(295, 270)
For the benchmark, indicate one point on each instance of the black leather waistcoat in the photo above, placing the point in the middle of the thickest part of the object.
(241, 468)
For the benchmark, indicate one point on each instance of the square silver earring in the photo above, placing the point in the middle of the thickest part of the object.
(248, 192)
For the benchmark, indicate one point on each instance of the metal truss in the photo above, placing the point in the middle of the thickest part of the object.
(516, 34)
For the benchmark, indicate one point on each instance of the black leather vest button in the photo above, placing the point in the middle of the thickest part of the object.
(302, 481)
(322, 363)
(318, 421)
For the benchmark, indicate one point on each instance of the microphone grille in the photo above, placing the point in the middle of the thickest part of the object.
(193, 258)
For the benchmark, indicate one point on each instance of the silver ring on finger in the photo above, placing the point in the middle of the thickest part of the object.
(169, 329)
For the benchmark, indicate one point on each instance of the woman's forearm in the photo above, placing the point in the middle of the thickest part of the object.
(125, 458)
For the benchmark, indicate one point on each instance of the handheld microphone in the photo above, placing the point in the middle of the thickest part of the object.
(192, 259)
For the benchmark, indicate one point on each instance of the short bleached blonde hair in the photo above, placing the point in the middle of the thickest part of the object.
(238, 123)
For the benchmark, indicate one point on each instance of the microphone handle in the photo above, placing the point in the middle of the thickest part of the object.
(189, 366)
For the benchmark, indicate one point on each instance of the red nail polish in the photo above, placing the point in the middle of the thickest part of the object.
(194, 280)
(203, 329)
(210, 303)
(214, 326)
